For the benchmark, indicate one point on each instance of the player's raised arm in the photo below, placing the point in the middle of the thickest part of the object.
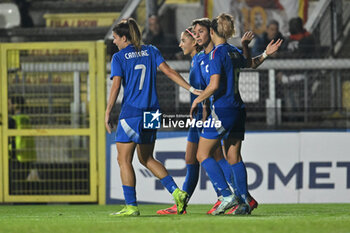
(271, 48)
(258, 60)
(246, 39)
(177, 78)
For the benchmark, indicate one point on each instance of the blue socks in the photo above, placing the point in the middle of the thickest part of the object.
(227, 170)
(216, 176)
(169, 183)
(130, 195)
(240, 179)
(130, 192)
(218, 192)
(191, 179)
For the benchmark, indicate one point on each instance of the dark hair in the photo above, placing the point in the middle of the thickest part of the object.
(205, 22)
(296, 25)
(129, 29)
(189, 33)
(275, 22)
(153, 16)
(223, 25)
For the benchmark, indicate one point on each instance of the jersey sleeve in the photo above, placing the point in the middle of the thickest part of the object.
(215, 64)
(158, 56)
(116, 68)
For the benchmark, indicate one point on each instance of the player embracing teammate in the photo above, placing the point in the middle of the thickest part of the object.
(215, 70)
(219, 64)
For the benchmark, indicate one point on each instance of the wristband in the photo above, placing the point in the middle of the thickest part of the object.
(191, 89)
(265, 54)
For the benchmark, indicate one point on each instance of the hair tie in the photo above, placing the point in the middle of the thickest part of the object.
(190, 33)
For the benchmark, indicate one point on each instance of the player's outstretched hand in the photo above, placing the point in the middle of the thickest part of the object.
(273, 47)
(247, 37)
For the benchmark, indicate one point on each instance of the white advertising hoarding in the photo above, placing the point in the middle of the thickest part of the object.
(293, 167)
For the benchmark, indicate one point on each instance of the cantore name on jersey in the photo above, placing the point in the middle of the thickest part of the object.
(138, 74)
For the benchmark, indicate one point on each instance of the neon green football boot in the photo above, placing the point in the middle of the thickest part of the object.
(128, 210)
(180, 198)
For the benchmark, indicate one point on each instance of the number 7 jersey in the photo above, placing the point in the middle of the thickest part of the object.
(138, 70)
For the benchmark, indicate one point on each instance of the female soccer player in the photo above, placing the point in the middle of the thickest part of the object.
(135, 67)
(190, 47)
(202, 29)
(202, 34)
(227, 106)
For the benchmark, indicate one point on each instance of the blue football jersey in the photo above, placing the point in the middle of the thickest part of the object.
(203, 62)
(204, 67)
(226, 60)
(138, 70)
(195, 76)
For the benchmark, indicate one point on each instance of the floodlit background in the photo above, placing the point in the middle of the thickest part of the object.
(55, 66)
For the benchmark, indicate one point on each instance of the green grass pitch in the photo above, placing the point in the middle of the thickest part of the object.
(269, 218)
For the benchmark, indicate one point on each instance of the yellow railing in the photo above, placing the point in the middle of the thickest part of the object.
(1, 166)
(56, 129)
(81, 19)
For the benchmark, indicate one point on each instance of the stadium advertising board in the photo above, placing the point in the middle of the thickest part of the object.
(293, 167)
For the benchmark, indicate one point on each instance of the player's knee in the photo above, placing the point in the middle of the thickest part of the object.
(234, 158)
(191, 159)
(144, 161)
(123, 161)
(201, 157)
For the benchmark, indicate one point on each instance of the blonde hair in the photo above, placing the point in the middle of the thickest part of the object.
(129, 29)
(224, 25)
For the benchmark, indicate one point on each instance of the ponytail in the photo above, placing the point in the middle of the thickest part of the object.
(135, 34)
(129, 29)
